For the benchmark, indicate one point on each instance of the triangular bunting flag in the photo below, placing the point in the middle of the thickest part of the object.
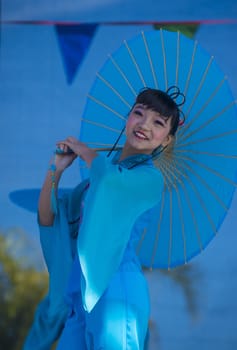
(74, 41)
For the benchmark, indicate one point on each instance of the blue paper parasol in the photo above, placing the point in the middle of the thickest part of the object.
(199, 168)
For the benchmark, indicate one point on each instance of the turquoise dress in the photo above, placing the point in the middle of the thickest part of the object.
(103, 253)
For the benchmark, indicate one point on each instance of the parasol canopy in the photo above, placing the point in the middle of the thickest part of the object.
(199, 167)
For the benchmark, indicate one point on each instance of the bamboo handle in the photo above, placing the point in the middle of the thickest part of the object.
(99, 149)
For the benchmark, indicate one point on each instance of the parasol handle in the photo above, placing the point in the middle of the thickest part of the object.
(98, 149)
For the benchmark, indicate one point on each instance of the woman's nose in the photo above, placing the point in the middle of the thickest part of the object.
(145, 123)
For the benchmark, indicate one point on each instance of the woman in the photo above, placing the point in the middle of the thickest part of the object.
(107, 296)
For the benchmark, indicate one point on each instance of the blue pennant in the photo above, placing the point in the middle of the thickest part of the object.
(74, 41)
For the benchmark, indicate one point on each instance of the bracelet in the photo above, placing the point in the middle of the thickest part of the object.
(53, 200)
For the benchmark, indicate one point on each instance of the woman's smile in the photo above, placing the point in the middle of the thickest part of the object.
(140, 135)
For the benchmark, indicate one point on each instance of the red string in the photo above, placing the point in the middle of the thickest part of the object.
(73, 23)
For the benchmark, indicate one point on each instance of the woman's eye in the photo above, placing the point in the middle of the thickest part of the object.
(158, 122)
(138, 112)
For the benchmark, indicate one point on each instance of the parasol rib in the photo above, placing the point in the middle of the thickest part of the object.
(226, 133)
(182, 224)
(103, 144)
(191, 211)
(92, 98)
(208, 101)
(190, 69)
(187, 167)
(164, 59)
(163, 167)
(158, 231)
(114, 90)
(123, 75)
(210, 120)
(139, 245)
(202, 202)
(135, 64)
(234, 156)
(171, 232)
(211, 191)
(165, 170)
(100, 125)
(210, 170)
(175, 169)
(200, 86)
(102, 149)
(177, 59)
(150, 61)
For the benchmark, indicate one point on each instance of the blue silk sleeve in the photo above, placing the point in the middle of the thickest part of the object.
(58, 248)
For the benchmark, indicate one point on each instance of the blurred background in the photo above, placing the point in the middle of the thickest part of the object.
(43, 90)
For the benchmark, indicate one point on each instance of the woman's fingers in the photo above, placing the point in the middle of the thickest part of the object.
(73, 145)
(72, 139)
(64, 146)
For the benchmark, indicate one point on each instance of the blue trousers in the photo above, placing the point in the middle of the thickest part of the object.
(119, 321)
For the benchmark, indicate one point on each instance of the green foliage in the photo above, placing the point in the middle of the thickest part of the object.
(23, 283)
(187, 278)
(21, 288)
(187, 29)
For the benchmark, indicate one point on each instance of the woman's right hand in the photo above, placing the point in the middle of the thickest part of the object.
(78, 149)
(65, 159)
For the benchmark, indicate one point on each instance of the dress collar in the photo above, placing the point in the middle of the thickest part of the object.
(131, 161)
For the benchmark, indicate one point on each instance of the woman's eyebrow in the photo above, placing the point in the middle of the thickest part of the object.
(163, 119)
(158, 115)
(139, 105)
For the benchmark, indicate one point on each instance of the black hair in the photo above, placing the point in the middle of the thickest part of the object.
(162, 103)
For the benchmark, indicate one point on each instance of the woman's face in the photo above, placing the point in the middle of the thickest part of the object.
(146, 130)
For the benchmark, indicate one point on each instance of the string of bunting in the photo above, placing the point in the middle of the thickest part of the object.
(75, 37)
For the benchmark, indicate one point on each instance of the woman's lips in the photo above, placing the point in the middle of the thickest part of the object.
(140, 135)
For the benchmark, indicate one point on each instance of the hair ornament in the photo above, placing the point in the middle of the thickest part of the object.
(179, 98)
